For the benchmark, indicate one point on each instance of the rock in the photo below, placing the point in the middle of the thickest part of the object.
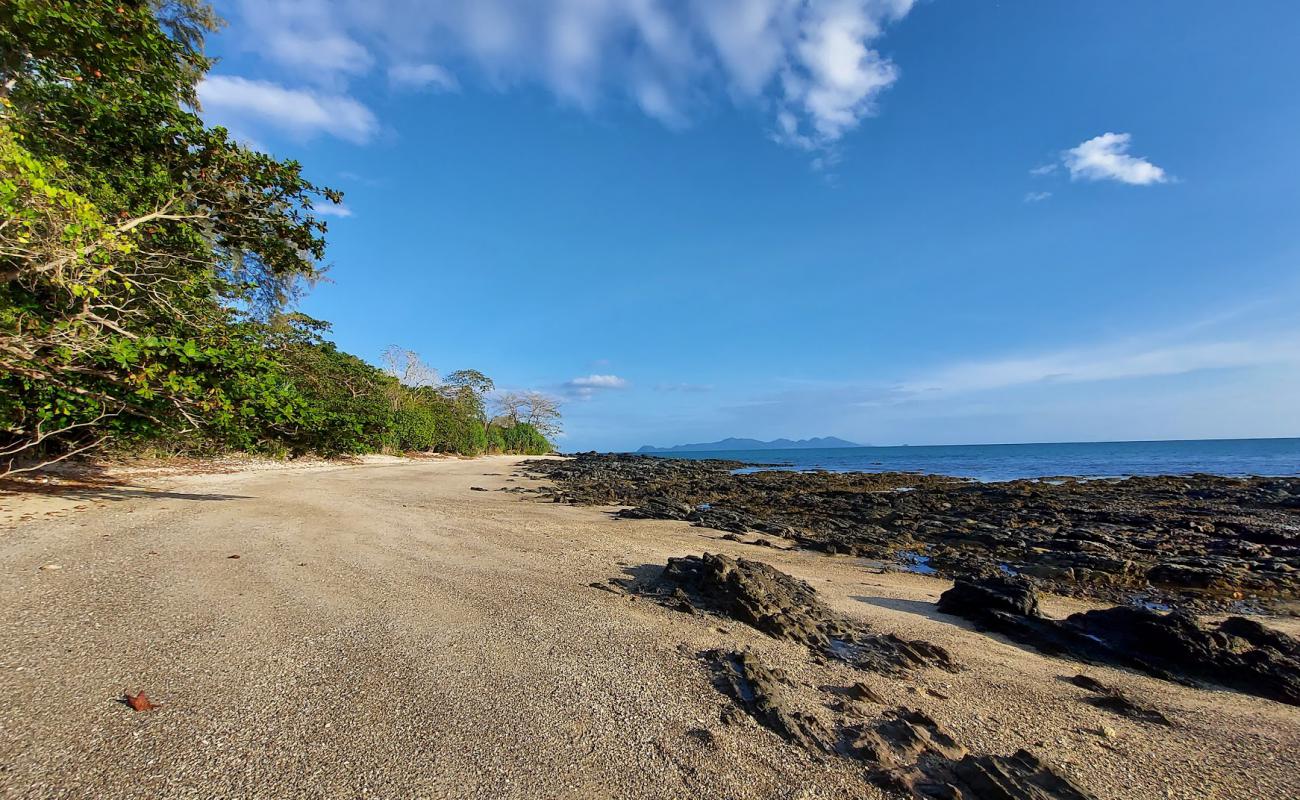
(1261, 662)
(1237, 653)
(972, 598)
(1203, 541)
(756, 594)
(912, 754)
(787, 608)
(861, 691)
(761, 693)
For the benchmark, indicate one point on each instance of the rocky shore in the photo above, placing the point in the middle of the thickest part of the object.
(1197, 542)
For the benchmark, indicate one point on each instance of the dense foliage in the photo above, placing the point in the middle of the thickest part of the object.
(146, 258)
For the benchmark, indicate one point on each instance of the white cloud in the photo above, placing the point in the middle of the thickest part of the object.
(599, 382)
(305, 36)
(422, 76)
(1044, 169)
(300, 112)
(1106, 157)
(1133, 359)
(333, 210)
(586, 386)
(1036, 197)
(811, 64)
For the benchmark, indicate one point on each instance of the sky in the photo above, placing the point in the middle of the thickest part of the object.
(896, 222)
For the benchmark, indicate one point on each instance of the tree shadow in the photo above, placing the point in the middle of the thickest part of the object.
(108, 491)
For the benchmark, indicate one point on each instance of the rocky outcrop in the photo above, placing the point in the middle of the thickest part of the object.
(1237, 653)
(904, 750)
(1196, 541)
(785, 607)
(762, 693)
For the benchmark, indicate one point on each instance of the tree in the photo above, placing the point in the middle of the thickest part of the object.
(139, 248)
(539, 410)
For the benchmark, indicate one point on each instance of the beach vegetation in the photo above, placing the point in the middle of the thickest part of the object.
(149, 264)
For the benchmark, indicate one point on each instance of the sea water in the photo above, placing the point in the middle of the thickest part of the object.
(996, 462)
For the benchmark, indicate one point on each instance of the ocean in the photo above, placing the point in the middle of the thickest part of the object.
(999, 462)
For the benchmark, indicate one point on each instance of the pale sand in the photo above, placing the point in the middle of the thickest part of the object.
(387, 632)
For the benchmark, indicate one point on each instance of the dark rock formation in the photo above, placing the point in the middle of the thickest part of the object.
(1237, 653)
(905, 750)
(1006, 595)
(787, 608)
(917, 757)
(760, 691)
(1195, 541)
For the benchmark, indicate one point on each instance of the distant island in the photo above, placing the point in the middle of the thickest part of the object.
(753, 444)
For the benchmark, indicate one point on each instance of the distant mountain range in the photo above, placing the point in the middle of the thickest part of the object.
(753, 444)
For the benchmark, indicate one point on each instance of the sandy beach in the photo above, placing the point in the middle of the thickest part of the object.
(390, 630)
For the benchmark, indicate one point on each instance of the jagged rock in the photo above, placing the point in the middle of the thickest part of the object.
(911, 753)
(756, 594)
(906, 750)
(760, 691)
(861, 691)
(1021, 776)
(1263, 662)
(974, 598)
(1237, 653)
(788, 608)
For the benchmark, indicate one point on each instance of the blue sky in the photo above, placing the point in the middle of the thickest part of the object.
(894, 222)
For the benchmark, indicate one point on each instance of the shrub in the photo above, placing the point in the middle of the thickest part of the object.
(414, 428)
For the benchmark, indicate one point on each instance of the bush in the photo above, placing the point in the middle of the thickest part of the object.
(520, 439)
(414, 428)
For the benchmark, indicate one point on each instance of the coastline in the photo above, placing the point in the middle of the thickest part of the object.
(1198, 542)
(388, 628)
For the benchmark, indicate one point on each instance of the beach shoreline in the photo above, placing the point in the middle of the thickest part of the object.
(433, 628)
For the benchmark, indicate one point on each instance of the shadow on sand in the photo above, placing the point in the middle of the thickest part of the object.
(920, 607)
(108, 492)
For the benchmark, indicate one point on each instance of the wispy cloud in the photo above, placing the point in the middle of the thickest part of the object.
(1106, 157)
(422, 76)
(304, 36)
(1126, 360)
(683, 387)
(1036, 197)
(1044, 169)
(299, 112)
(588, 385)
(811, 64)
(333, 210)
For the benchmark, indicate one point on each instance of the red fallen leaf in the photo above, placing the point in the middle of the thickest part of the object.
(236, 555)
(139, 702)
